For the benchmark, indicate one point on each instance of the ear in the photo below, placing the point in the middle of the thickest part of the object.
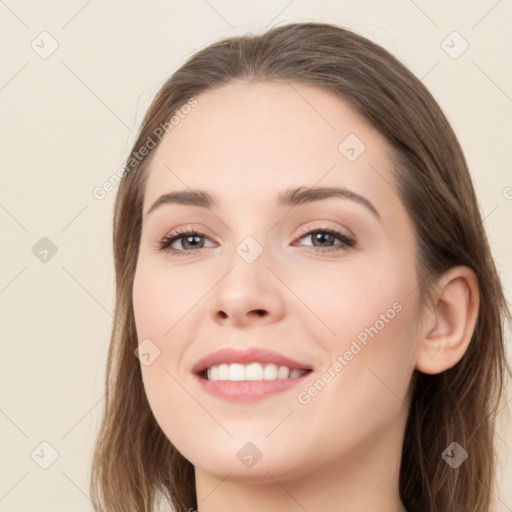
(448, 325)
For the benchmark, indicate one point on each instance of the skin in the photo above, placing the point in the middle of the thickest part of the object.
(244, 143)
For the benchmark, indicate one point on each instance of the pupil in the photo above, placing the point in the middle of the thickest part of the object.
(320, 236)
(191, 237)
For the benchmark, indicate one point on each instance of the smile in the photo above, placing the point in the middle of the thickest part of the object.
(247, 375)
(255, 371)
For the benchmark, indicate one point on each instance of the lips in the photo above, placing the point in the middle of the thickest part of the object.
(251, 389)
(252, 355)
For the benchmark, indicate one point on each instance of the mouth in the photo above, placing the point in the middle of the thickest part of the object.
(256, 371)
(248, 375)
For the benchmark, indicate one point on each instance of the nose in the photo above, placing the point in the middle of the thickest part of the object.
(248, 293)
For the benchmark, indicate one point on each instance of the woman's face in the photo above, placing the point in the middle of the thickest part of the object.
(327, 281)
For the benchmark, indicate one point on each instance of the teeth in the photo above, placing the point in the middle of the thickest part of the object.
(295, 373)
(252, 371)
(236, 372)
(283, 372)
(270, 372)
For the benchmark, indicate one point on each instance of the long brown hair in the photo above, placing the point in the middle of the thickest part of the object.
(134, 464)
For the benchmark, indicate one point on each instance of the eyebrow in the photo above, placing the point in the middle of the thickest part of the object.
(289, 197)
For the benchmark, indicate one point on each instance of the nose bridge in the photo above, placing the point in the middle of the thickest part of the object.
(248, 263)
(250, 249)
(249, 234)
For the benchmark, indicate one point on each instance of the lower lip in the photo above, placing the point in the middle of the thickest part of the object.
(248, 390)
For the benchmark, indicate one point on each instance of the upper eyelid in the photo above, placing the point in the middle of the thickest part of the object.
(183, 231)
(326, 226)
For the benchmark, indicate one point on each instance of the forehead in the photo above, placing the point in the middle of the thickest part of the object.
(260, 138)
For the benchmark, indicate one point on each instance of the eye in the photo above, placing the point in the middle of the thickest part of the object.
(322, 239)
(325, 237)
(189, 238)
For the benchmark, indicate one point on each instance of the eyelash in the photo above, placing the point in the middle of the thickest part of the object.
(347, 242)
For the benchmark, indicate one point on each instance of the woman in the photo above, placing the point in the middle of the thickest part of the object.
(308, 316)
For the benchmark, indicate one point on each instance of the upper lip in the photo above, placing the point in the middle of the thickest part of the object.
(251, 355)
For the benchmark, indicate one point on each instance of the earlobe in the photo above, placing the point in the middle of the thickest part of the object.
(450, 323)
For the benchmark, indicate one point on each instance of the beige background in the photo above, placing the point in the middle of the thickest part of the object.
(68, 121)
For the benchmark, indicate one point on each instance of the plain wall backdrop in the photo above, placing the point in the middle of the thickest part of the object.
(75, 80)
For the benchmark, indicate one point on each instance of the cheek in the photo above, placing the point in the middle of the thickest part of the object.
(162, 297)
(362, 390)
(346, 298)
(366, 328)
(162, 308)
